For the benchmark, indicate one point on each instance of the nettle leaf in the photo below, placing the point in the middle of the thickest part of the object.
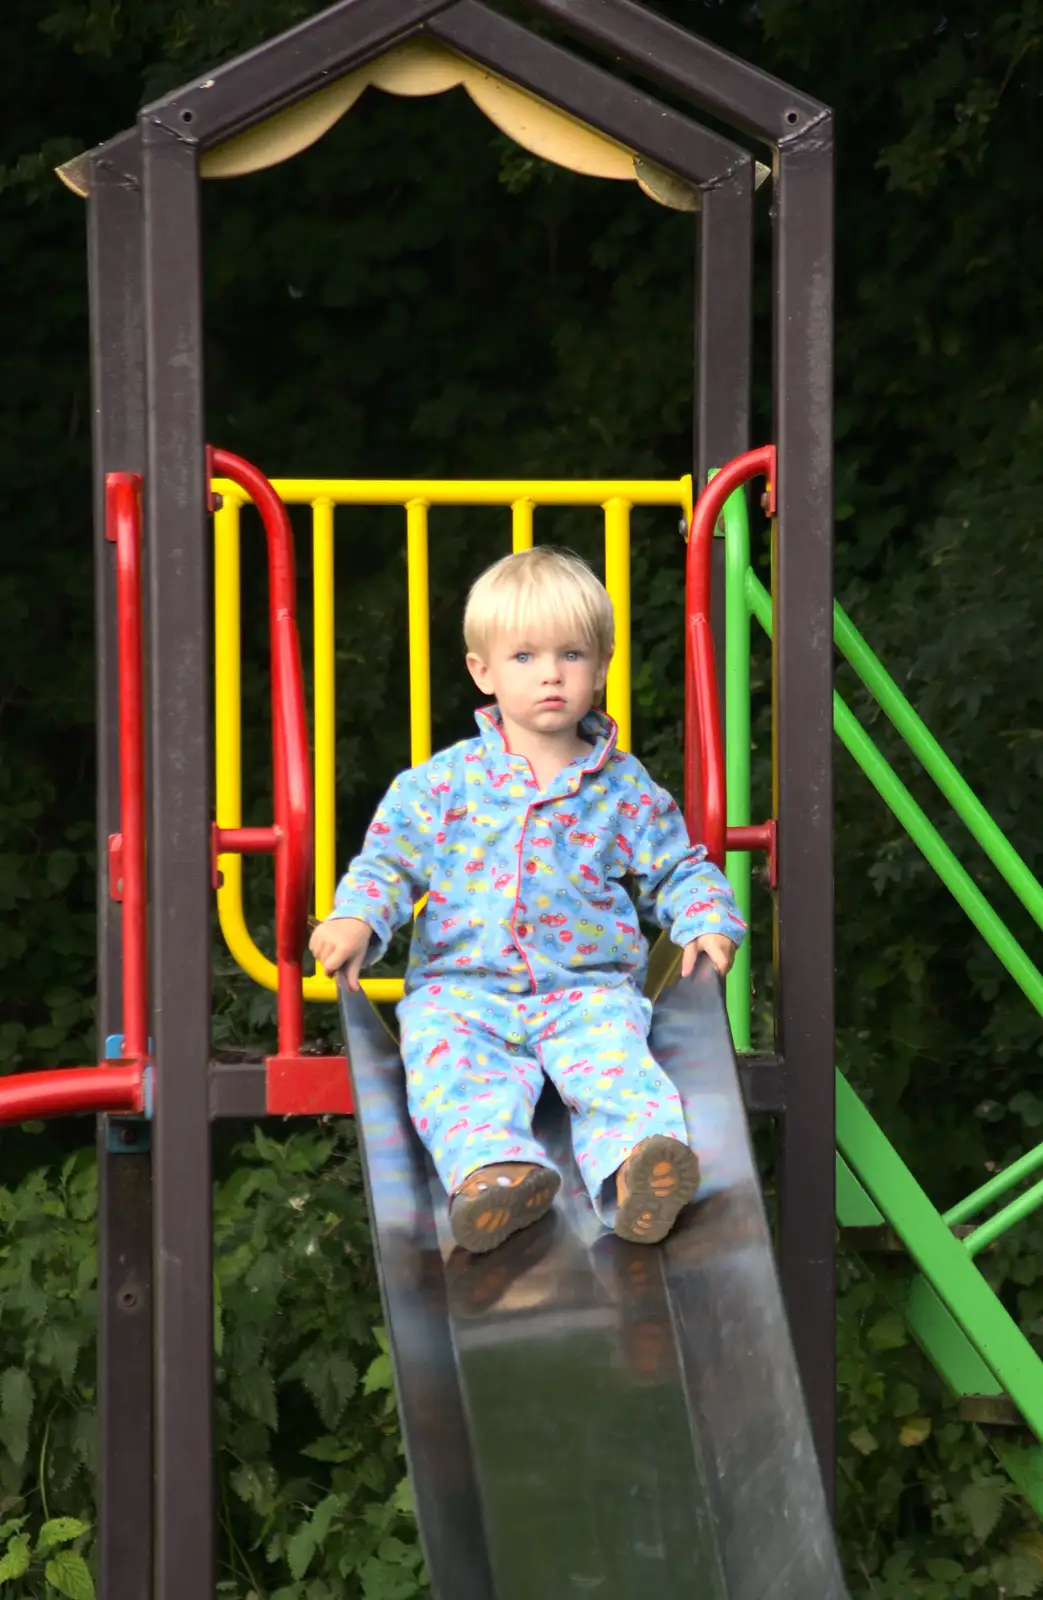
(381, 1582)
(905, 1401)
(256, 1485)
(864, 1441)
(888, 1332)
(69, 1574)
(371, 1472)
(15, 1560)
(403, 1499)
(940, 1567)
(1017, 1575)
(254, 1391)
(83, 1439)
(16, 1409)
(395, 1551)
(266, 1277)
(309, 1155)
(300, 1547)
(60, 1530)
(324, 1515)
(983, 1503)
(332, 1450)
(378, 1375)
(331, 1380)
(268, 1149)
(59, 1347)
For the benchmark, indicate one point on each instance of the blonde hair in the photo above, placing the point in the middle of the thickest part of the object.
(536, 589)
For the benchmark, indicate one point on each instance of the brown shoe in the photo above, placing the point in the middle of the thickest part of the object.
(653, 1186)
(496, 1201)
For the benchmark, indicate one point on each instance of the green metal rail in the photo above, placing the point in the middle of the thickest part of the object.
(952, 1311)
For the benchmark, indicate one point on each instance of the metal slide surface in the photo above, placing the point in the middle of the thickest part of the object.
(586, 1417)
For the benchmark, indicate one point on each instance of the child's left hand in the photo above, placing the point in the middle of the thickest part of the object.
(717, 946)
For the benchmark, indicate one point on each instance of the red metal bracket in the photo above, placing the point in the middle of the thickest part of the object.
(761, 836)
(215, 850)
(214, 501)
(240, 842)
(116, 866)
(308, 1086)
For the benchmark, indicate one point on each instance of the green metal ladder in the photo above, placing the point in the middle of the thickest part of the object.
(949, 1307)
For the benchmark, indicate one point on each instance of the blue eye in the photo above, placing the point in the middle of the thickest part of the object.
(523, 655)
(573, 655)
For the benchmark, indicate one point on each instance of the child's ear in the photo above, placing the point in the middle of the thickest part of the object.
(602, 673)
(479, 672)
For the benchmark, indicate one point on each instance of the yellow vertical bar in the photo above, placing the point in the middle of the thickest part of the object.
(419, 632)
(521, 525)
(617, 582)
(228, 720)
(325, 708)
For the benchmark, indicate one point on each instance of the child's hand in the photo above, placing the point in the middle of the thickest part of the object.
(717, 946)
(342, 943)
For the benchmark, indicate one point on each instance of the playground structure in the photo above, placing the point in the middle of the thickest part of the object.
(158, 1082)
(142, 191)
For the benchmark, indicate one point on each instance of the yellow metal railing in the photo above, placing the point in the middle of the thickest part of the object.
(617, 498)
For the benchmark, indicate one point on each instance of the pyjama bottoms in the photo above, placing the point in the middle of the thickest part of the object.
(475, 1064)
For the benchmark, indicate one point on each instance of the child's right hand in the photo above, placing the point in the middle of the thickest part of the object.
(342, 942)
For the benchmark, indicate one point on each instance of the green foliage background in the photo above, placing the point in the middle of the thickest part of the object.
(415, 296)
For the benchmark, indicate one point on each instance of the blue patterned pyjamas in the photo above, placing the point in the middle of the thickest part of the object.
(476, 1060)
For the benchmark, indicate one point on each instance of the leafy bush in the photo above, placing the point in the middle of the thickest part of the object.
(926, 1513)
(314, 1503)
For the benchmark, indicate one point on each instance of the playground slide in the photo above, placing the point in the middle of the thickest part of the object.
(583, 1416)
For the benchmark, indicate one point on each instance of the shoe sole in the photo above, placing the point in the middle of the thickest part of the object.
(662, 1178)
(482, 1223)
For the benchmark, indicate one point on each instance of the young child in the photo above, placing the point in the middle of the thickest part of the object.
(528, 959)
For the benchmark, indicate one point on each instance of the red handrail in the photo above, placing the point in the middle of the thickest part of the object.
(120, 1087)
(291, 836)
(123, 526)
(113, 1087)
(705, 799)
(69, 1091)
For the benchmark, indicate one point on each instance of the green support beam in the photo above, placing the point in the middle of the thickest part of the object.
(942, 1259)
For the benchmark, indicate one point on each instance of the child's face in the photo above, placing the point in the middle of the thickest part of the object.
(542, 684)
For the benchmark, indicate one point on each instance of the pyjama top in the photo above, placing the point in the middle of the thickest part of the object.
(527, 888)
